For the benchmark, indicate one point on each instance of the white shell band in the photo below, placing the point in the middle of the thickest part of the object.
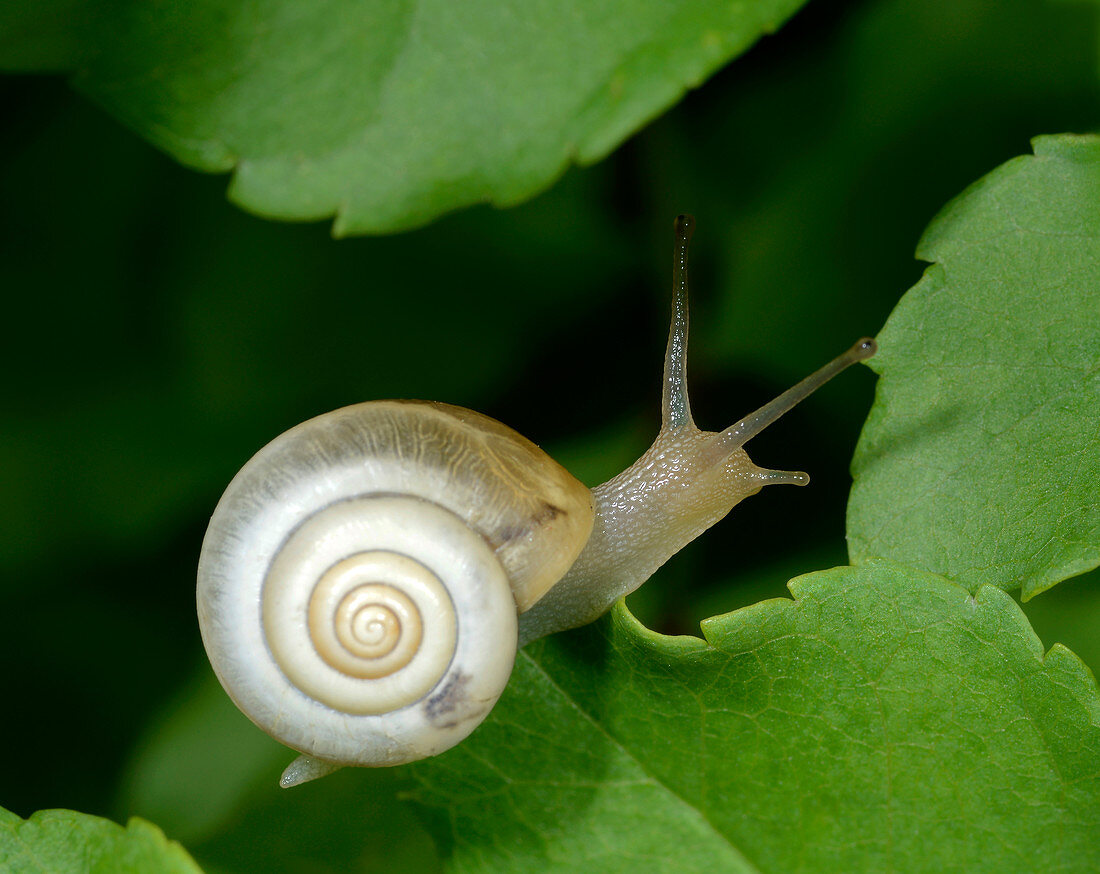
(369, 655)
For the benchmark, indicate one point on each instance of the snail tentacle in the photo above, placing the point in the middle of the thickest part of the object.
(675, 404)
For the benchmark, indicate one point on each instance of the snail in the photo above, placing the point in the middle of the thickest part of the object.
(368, 576)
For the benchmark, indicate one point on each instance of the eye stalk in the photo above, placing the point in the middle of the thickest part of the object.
(684, 483)
(675, 406)
(742, 431)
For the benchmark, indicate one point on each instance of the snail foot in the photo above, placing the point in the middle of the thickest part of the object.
(306, 768)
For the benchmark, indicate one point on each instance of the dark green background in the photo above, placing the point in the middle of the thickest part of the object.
(155, 336)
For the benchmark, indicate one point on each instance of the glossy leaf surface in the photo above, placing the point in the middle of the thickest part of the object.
(65, 842)
(981, 457)
(889, 719)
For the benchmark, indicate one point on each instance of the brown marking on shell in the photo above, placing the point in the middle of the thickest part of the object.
(451, 705)
(547, 514)
(447, 700)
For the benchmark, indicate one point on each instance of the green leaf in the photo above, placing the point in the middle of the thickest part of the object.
(387, 114)
(195, 769)
(885, 720)
(981, 457)
(211, 777)
(44, 36)
(180, 348)
(60, 841)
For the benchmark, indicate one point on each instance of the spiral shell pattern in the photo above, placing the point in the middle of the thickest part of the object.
(379, 627)
(360, 580)
(381, 631)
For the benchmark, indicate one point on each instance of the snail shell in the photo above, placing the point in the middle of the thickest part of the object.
(361, 577)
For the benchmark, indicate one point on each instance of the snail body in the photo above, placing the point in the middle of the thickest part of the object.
(367, 577)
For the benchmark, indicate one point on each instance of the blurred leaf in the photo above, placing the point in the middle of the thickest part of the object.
(210, 777)
(981, 455)
(171, 336)
(196, 770)
(41, 36)
(351, 822)
(67, 842)
(814, 168)
(885, 717)
(386, 114)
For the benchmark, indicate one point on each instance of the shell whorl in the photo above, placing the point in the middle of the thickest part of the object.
(370, 629)
(379, 625)
(360, 580)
